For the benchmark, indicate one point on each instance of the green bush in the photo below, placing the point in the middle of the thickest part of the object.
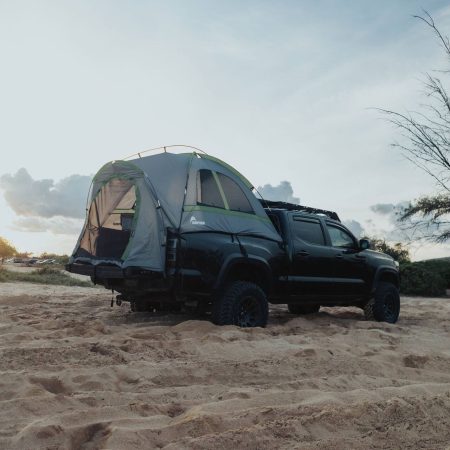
(45, 275)
(427, 278)
(3, 275)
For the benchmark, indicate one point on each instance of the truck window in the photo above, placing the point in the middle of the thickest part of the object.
(308, 230)
(339, 237)
(237, 201)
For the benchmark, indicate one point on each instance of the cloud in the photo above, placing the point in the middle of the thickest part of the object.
(283, 192)
(390, 209)
(386, 226)
(383, 208)
(56, 225)
(396, 231)
(45, 198)
(355, 227)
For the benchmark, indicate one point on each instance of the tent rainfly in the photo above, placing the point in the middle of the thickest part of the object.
(132, 204)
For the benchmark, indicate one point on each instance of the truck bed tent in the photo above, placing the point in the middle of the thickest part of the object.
(132, 204)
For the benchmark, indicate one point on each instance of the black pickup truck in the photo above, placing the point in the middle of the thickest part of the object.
(318, 263)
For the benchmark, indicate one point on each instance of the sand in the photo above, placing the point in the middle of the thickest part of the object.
(76, 373)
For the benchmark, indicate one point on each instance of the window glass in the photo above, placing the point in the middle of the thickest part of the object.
(208, 193)
(309, 231)
(237, 201)
(340, 238)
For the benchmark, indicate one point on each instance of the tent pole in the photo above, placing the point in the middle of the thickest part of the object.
(165, 150)
(185, 190)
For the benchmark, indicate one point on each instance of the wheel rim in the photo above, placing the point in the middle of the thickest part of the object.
(248, 312)
(390, 308)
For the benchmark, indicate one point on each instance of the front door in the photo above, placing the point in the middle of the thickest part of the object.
(349, 263)
(312, 264)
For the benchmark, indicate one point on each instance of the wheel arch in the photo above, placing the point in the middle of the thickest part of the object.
(251, 268)
(386, 274)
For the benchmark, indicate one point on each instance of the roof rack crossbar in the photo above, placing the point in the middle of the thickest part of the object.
(270, 204)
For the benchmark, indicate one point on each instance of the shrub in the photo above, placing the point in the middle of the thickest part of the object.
(3, 275)
(6, 249)
(399, 251)
(45, 275)
(428, 278)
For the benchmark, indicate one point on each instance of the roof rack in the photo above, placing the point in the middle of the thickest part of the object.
(270, 204)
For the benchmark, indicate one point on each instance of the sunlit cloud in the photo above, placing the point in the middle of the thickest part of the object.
(45, 198)
(283, 192)
(55, 225)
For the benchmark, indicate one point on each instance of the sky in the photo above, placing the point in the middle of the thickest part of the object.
(281, 90)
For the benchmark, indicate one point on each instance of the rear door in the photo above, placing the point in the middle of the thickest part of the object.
(312, 260)
(349, 265)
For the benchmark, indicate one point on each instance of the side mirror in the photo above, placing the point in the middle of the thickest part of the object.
(364, 244)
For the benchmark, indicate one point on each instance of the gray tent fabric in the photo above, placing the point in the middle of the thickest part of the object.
(132, 204)
(146, 237)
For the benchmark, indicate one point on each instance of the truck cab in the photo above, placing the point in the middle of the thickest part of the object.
(328, 265)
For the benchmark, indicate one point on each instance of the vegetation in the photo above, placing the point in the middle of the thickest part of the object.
(44, 275)
(59, 259)
(427, 145)
(6, 249)
(399, 251)
(427, 278)
(23, 255)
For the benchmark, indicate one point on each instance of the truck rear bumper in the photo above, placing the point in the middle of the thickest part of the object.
(129, 279)
(96, 271)
(103, 271)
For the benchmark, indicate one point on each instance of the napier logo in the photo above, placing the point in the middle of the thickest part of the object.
(194, 221)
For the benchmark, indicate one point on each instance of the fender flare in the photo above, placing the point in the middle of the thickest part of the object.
(382, 270)
(237, 258)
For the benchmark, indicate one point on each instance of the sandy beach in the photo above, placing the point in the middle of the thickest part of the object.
(76, 373)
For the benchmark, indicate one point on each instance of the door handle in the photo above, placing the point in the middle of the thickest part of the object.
(303, 253)
(339, 256)
(361, 257)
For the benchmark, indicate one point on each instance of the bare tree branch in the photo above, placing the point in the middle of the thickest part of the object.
(427, 146)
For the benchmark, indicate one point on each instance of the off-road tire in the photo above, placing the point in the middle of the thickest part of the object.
(302, 309)
(241, 303)
(385, 305)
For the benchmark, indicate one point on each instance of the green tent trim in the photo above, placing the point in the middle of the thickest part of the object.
(227, 212)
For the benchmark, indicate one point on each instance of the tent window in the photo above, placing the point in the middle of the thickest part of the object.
(110, 220)
(208, 193)
(237, 200)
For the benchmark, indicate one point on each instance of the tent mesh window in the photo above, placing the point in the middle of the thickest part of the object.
(237, 201)
(219, 191)
(208, 193)
(110, 220)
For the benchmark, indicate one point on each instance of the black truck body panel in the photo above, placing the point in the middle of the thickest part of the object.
(305, 268)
